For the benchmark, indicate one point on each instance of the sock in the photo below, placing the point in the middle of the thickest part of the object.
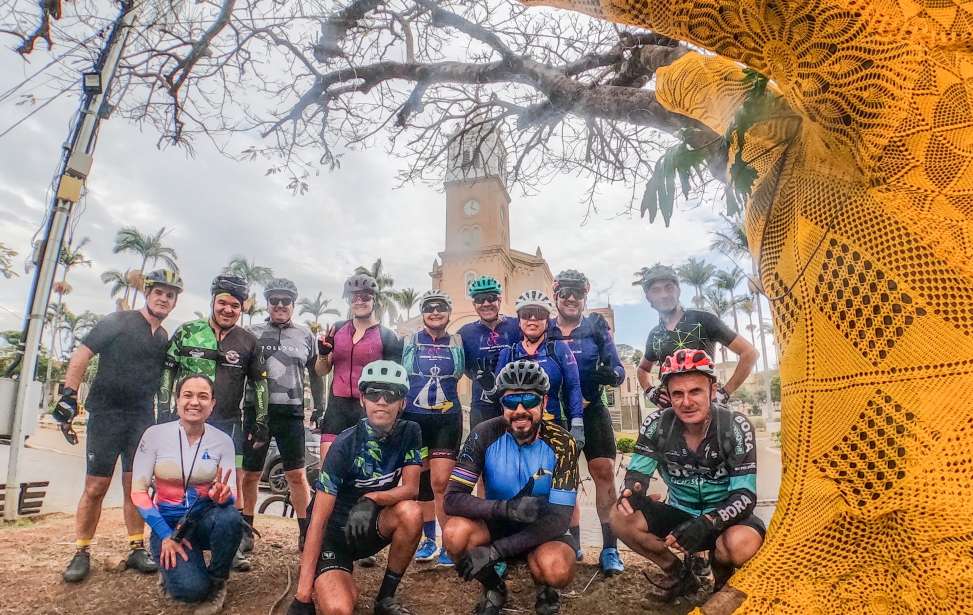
(82, 544)
(608, 537)
(389, 584)
(136, 541)
(429, 530)
(575, 531)
(302, 525)
(248, 519)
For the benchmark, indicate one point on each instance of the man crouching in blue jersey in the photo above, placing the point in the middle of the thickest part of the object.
(530, 474)
(365, 501)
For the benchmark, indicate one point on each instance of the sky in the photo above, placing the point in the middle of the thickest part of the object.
(217, 208)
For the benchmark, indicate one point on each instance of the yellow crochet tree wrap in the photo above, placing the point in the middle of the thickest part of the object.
(861, 222)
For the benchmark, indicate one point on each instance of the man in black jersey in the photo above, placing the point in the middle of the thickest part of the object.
(681, 328)
(131, 347)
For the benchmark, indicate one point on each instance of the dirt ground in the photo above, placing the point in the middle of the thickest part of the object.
(33, 556)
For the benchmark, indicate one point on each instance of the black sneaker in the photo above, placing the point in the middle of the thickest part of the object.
(682, 583)
(139, 559)
(491, 601)
(79, 567)
(390, 606)
(366, 562)
(548, 601)
(241, 563)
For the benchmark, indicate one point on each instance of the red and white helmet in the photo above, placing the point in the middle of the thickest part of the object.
(686, 361)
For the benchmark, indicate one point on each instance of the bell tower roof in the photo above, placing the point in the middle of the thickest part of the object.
(477, 152)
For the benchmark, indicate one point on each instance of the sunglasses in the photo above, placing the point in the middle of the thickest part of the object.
(275, 301)
(532, 314)
(429, 308)
(528, 400)
(481, 299)
(389, 395)
(571, 293)
(361, 297)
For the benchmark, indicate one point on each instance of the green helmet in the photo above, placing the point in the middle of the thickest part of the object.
(656, 273)
(388, 373)
(164, 277)
(484, 284)
(281, 286)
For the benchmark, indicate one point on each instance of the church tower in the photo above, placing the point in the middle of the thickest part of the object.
(478, 226)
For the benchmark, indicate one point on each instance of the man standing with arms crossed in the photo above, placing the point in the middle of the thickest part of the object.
(288, 349)
(681, 328)
(131, 346)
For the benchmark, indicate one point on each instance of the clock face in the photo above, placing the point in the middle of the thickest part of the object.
(471, 208)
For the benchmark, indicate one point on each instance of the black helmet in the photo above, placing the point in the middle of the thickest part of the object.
(164, 277)
(233, 285)
(657, 272)
(522, 375)
(281, 286)
(360, 282)
(571, 278)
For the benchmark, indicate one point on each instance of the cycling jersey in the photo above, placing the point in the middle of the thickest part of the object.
(181, 472)
(361, 461)
(434, 366)
(546, 467)
(696, 329)
(718, 477)
(288, 350)
(592, 344)
(230, 362)
(350, 357)
(130, 361)
(564, 399)
(482, 346)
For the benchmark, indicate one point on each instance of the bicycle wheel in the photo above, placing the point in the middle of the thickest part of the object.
(276, 505)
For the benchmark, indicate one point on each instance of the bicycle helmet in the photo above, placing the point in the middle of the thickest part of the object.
(281, 286)
(656, 273)
(534, 298)
(233, 285)
(434, 295)
(687, 361)
(163, 277)
(522, 375)
(571, 278)
(360, 282)
(388, 373)
(482, 285)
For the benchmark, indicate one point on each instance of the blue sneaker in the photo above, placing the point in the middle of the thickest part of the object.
(579, 555)
(501, 569)
(444, 559)
(611, 562)
(426, 551)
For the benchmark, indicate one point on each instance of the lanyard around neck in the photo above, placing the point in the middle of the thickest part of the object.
(182, 470)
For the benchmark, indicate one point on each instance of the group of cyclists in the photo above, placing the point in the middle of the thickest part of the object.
(192, 416)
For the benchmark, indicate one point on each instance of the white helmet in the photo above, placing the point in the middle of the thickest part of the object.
(435, 295)
(534, 298)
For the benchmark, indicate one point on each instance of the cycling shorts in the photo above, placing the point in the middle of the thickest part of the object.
(480, 413)
(110, 435)
(337, 554)
(234, 429)
(288, 432)
(442, 434)
(341, 413)
(599, 436)
(502, 528)
(663, 518)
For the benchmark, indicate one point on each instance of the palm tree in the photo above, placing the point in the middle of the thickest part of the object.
(728, 281)
(75, 327)
(697, 273)
(70, 257)
(6, 260)
(718, 303)
(384, 298)
(746, 305)
(317, 308)
(120, 282)
(149, 247)
(249, 270)
(251, 309)
(406, 299)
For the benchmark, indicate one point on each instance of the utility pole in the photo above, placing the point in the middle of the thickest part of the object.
(75, 165)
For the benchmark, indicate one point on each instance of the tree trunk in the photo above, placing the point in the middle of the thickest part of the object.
(733, 310)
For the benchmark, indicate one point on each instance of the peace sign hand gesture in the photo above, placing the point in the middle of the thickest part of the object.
(219, 491)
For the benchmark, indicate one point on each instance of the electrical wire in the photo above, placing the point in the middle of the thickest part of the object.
(29, 115)
(56, 60)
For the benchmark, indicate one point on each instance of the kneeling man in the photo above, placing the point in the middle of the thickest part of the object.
(529, 470)
(705, 454)
(365, 501)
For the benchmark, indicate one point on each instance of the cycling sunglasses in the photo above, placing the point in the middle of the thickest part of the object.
(528, 400)
(533, 314)
(572, 293)
(481, 299)
(429, 308)
(275, 301)
(362, 297)
(391, 396)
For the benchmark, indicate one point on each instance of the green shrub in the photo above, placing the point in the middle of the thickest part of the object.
(625, 445)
